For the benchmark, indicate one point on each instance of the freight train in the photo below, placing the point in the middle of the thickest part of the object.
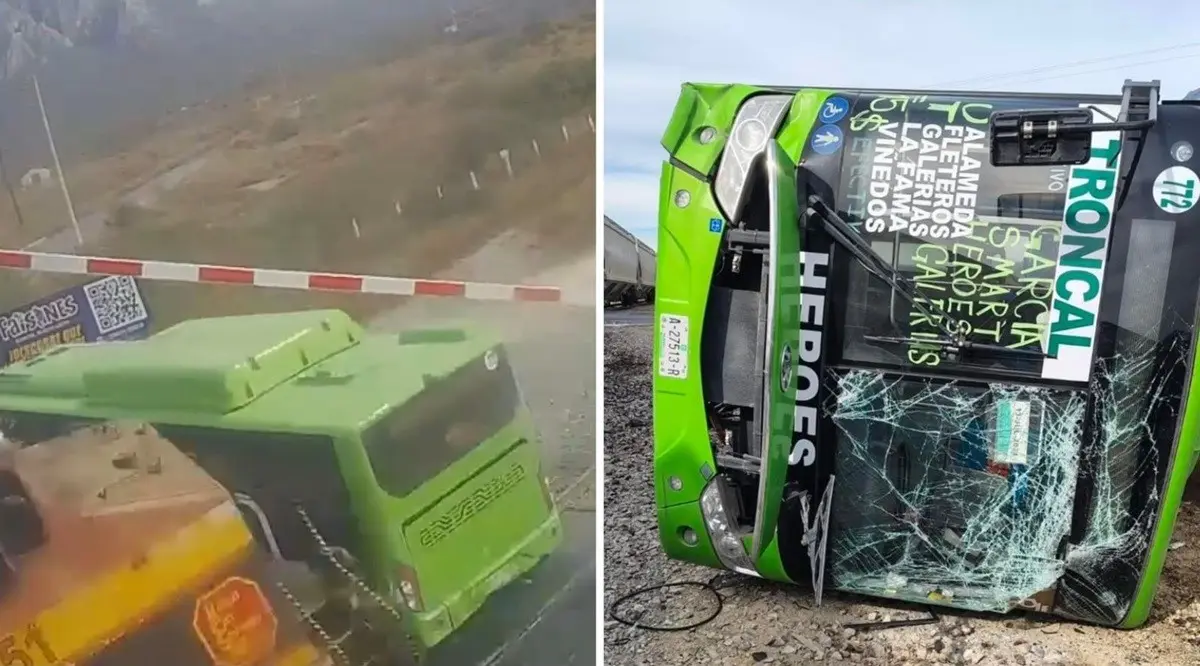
(629, 267)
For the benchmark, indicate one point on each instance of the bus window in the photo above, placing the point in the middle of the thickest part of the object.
(998, 280)
(447, 420)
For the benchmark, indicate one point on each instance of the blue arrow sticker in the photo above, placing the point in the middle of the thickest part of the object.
(833, 110)
(715, 224)
(827, 139)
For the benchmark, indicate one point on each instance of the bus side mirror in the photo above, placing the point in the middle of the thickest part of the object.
(1044, 137)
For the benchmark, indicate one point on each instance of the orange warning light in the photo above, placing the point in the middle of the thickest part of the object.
(235, 623)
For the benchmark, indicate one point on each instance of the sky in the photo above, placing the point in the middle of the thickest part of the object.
(651, 46)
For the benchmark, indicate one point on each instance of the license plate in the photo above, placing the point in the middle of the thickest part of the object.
(673, 343)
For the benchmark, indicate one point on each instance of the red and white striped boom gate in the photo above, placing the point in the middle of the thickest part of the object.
(46, 262)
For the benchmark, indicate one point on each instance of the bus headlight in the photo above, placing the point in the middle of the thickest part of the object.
(756, 123)
(722, 531)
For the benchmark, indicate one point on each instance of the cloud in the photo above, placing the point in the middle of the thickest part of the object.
(651, 47)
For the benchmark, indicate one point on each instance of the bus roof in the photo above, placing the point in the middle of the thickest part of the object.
(314, 371)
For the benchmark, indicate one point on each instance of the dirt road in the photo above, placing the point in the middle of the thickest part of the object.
(768, 623)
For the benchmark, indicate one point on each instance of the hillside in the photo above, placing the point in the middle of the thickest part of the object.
(110, 67)
(280, 173)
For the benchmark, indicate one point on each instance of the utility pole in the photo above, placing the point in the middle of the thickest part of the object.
(62, 179)
(12, 195)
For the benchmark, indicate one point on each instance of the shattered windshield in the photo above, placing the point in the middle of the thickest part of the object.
(1009, 480)
(953, 506)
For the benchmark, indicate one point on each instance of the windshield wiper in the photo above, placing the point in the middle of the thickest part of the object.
(954, 345)
(954, 338)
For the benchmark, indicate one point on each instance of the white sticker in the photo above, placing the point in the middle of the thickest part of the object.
(673, 346)
(1175, 189)
(1012, 432)
(1082, 250)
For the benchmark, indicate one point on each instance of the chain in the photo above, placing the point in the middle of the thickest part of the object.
(358, 582)
(334, 648)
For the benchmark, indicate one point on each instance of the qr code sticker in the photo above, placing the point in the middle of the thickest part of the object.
(115, 302)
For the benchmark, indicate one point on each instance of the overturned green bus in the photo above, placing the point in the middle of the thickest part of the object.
(929, 345)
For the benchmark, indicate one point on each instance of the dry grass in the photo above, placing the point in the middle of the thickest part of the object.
(554, 203)
(337, 148)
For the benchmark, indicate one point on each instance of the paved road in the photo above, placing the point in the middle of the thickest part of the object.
(562, 630)
(640, 315)
(548, 619)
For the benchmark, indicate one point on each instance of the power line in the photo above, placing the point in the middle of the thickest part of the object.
(1066, 65)
(1111, 69)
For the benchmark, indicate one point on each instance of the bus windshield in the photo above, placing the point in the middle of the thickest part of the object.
(981, 245)
(970, 472)
(996, 283)
(449, 418)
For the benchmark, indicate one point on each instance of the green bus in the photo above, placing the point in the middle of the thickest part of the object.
(407, 462)
(935, 346)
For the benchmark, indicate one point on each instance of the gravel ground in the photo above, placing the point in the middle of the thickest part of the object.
(777, 624)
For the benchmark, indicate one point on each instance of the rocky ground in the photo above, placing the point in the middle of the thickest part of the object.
(757, 622)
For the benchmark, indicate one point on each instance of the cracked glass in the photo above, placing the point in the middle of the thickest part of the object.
(995, 481)
(966, 491)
